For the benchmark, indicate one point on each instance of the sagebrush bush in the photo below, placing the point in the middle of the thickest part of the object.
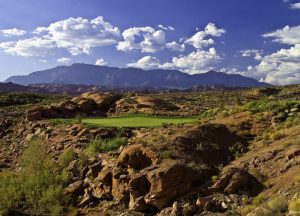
(105, 145)
(297, 178)
(37, 187)
(274, 206)
(66, 157)
(278, 136)
(294, 207)
(247, 210)
(258, 199)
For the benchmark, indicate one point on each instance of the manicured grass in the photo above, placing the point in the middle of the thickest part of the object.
(137, 121)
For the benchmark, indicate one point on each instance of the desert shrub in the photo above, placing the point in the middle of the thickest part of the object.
(266, 136)
(38, 187)
(199, 166)
(244, 133)
(259, 176)
(208, 114)
(20, 99)
(105, 145)
(167, 154)
(258, 199)
(188, 210)
(247, 209)
(258, 138)
(200, 146)
(294, 207)
(278, 136)
(66, 157)
(265, 105)
(236, 149)
(276, 206)
(297, 178)
(291, 121)
(78, 118)
(214, 178)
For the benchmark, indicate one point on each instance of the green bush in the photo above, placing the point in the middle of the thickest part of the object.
(20, 99)
(37, 188)
(247, 209)
(278, 136)
(105, 145)
(78, 118)
(276, 205)
(66, 157)
(294, 207)
(258, 199)
(265, 105)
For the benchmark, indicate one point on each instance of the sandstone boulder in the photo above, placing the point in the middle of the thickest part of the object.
(137, 157)
(233, 181)
(35, 113)
(76, 188)
(169, 182)
(103, 101)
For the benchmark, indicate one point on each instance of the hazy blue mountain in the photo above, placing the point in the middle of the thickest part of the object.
(132, 78)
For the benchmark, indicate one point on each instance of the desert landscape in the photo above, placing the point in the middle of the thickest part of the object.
(210, 153)
(150, 108)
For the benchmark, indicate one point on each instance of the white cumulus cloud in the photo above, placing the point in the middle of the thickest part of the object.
(146, 39)
(283, 66)
(199, 61)
(101, 62)
(29, 47)
(76, 35)
(201, 38)
(295, 6)
(256, 54)
(80, 35)
(12, 32)
(64, 60)
(147, 62)
(287, 35)
(170, 28)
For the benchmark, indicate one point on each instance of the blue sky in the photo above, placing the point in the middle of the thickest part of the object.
(255, 38)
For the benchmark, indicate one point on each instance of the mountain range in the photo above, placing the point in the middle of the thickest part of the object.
(112, 77)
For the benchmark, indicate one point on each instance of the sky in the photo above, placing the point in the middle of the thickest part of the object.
(254, 38)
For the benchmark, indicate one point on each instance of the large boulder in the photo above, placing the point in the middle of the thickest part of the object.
(35, 113)
(103, 101)
(86, 105)
(156, 186)
(170, 181)
(76, 188)
(137, 157)
(234, 181)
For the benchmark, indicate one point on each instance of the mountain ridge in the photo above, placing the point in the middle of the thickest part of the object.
(132, 77)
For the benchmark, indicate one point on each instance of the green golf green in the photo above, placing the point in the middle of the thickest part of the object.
(137, 121)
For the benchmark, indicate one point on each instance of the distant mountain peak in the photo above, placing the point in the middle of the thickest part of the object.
(86, 74)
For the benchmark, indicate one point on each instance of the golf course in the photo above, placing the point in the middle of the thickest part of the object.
(137, 121)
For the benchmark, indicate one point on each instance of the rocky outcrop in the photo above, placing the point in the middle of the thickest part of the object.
(91, 104)
(138, 179)
(143, 104)
(137, 157)
(234, 181)
(4, 126)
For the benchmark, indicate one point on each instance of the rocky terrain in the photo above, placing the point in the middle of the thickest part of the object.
(242, 156)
